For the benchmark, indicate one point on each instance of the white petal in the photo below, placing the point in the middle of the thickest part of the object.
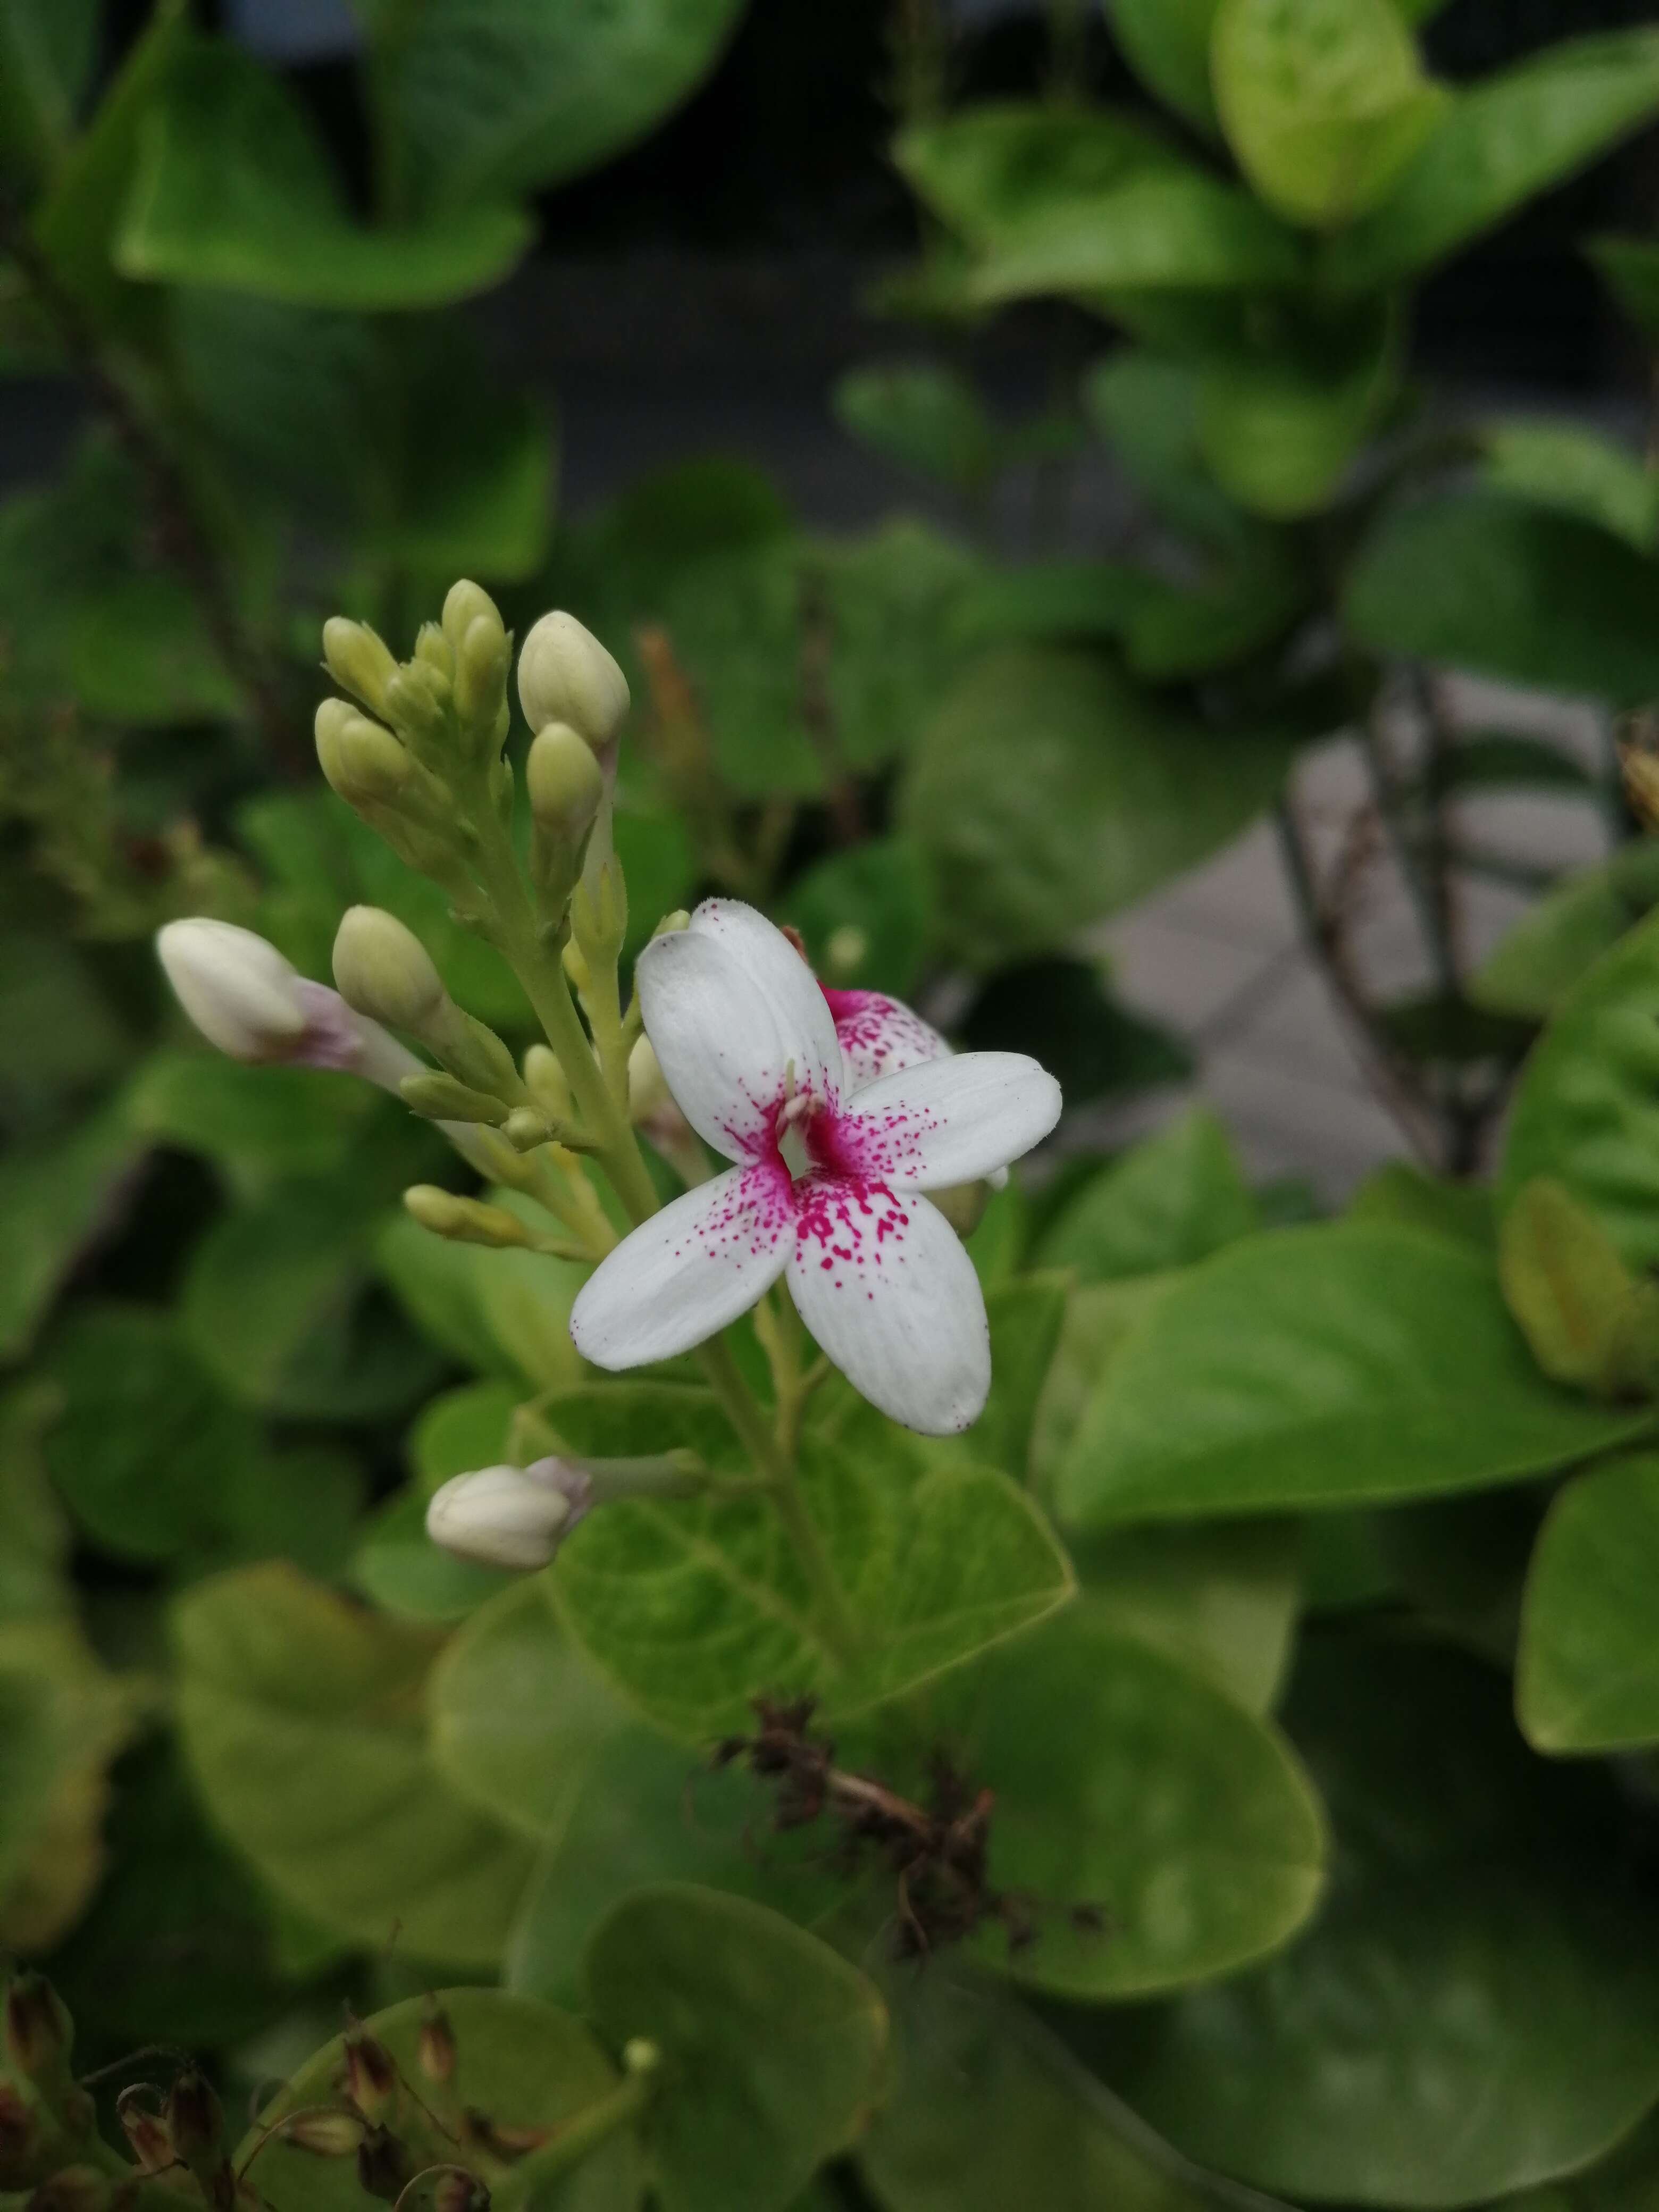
(688, 1270)
(727, 1021)
(948, 1122)
(882, 1281)
(236, 987)
(505, 1517)
(880, 1036)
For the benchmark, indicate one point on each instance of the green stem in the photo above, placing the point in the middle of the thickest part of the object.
(526, 2182)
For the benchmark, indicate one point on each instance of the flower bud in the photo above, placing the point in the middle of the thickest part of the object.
(383, 970)
(371, 2075)
(416, 698)
(435, 2047)
(362, 761)
(383, 2165)
(547, 1083)
(195, 2120)
(565, 784)
(240, 992)
(148, 2134)
(433, 651)
(359, 660)
(437, 1098)
(465, 1220)
(38, 2033)
(324, 2134)
(466, 603)
(963, 1204)
(77, 2189)
(482, 661)
(565, 675)
(508, 1517)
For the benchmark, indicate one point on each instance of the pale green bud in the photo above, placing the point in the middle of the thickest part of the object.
(382, 970)
(433, 651)
(465, 1220)
(416, 698)
(438, 1097)
(565, 675)
(672, 924)
(649, 1095)
(464, 604)
(359, 660)
(362, 761)
(547, 1083)
(481, 666)
(963, 1204)
(564, 783)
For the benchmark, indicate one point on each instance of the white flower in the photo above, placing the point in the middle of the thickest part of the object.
(829, 1179)
(509, 1516)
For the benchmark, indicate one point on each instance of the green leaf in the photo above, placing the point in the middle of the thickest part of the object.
(1026, 1317)
(1587, 1110)
(695, 1607)
(772, 2043)
(1220, 1598)
(1472, 2012)
(1508, 589)
(1550, 949)
(273, 1306)
(1334, 1366)
(302, 1718)
(1281, 426)
(1148, 409)
(1575, 470)
(1166, 229)
(234, 190)
(498, 97)
(35, 1536)
(507, 1312)
(47, 48)
(75, 223)
(516, 1716)
(1323, 102)
(1588, 1675)
(63, 1718)
(1082, 199)
(518, 2064)
(863, 913)
(1213, 1851)
(1501, 142)
(1100, 1319)
(1176, 631)
(988, 2109)
(460, 1429)
(259, 1121)
(1172, 1199)
(1588, 1321)
(923, 417)
(94, 618)
(57, 1196)
(646, 1810)
(1106, 795)
(147, 1446)
(398, 1565)
(1167, 44)
(1410, 1198)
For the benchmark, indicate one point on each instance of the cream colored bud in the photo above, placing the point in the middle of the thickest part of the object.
(547, 1083)
(502, 1516)
(362, 761)
(648, 1094)
(481, 666)
(240, 992)
(359, 660)
(382, 970)
(565, 675)
(416, 698)
(465, 1220)
(564, 783)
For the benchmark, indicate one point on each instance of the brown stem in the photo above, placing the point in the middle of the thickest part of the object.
(183, 542)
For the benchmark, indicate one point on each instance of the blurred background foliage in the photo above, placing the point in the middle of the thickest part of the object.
(277, 325)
